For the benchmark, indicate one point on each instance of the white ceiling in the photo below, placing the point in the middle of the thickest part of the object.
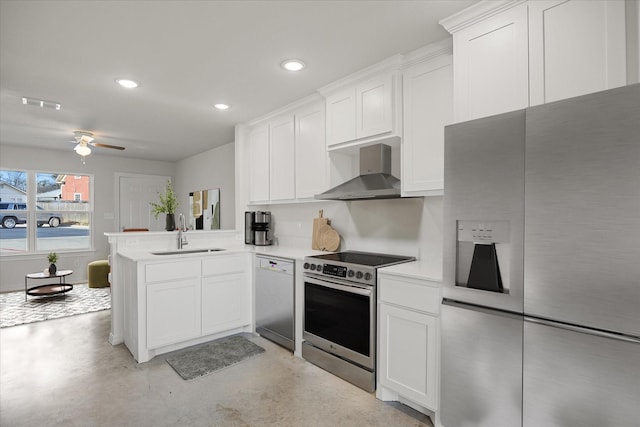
(188, 55)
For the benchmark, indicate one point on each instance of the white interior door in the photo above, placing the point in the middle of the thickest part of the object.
(135, 192)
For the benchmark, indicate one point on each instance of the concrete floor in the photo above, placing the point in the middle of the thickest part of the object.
(63, 372)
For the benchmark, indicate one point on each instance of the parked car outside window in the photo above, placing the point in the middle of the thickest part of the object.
(11, 219)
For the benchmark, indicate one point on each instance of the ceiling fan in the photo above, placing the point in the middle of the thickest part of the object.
(83, 139)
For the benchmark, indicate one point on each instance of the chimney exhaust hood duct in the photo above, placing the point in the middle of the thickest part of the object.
(375, 180)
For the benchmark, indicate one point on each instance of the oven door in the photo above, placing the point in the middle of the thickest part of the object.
(339, 318)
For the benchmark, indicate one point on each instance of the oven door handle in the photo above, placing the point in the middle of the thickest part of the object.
(339, 287)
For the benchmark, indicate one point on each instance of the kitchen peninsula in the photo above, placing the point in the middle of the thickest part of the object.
(164, 299)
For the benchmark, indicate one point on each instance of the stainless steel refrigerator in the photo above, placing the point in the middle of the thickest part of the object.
(541, 308)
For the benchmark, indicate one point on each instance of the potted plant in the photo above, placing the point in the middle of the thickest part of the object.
(52, 258)
(167, 205)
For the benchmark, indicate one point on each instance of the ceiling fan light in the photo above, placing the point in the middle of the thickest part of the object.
(82, 149)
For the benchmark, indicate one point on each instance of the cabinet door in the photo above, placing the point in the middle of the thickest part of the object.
(491, 75)
(281, 159)
(173, 312)
(576, 47)
(408, 354)
(428, 107)
(311, 151)
(374, 107)
(259, 164)
(225, 302)
(341, 113)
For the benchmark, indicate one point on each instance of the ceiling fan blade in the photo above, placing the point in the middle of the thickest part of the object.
(115, 147)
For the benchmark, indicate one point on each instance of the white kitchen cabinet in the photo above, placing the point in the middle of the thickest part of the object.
(513, 54)
(226, 294)
(173, 302)
(427, 108)
(341, 116)
(365, 110)
(258, 150)
(575, 47)
(491, 65)
(173, 312)
(282, 159)
(374, 106)
(310, 151)
(408, 340)
(177, 303)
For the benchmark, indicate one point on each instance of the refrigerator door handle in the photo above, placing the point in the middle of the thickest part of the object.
(583, 330)
(481, 309)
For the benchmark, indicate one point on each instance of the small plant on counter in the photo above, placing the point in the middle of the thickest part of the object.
(168, 202)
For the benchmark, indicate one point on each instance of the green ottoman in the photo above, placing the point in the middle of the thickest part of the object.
(98, 273)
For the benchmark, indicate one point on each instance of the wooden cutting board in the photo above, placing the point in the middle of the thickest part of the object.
(329, 239)
(315, 236)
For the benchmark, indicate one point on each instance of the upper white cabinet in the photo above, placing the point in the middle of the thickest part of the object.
(512, 54)
(341, 116)
(374, 106)
(310, 151)
(288, 154)
(427, 108)
(258, 150)
(576, 47)
(491, 65)
(363, 110)
(281, 159)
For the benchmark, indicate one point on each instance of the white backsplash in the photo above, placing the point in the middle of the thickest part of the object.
(407, 226)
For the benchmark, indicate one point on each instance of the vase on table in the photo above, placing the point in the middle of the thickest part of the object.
(52, 269)
(171, 222)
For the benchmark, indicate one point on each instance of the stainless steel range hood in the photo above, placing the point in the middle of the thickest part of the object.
(375, 180)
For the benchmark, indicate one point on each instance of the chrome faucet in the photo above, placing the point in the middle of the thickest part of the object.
(182, 227)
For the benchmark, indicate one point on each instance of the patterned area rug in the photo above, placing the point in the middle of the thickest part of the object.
(204, 359)
(14, 310)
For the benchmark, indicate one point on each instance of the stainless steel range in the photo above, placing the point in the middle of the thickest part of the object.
(340, 313)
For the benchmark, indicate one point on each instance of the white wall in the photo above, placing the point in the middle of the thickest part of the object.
(211, 169)
(407, 226)
(103, 168)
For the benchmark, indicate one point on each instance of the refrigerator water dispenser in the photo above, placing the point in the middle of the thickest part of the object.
(483, 246)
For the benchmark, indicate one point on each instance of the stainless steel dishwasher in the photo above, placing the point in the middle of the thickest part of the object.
(275, 300)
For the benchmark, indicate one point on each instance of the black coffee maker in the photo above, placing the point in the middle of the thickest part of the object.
(257, 228)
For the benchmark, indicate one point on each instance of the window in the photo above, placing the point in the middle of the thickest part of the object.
(59, 204)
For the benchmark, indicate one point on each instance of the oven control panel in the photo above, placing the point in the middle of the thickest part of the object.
(339, 271)
(335, 270)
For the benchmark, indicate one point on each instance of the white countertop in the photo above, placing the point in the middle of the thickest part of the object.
(295, 253)
(423, 269)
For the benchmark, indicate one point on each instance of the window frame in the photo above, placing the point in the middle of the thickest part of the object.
(32, 212)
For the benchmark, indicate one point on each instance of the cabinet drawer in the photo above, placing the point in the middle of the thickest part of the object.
(224, 264)
(172, 271)
(410, 293)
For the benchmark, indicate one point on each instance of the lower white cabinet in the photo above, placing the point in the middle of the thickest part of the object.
(178, 303)
(408, 340)
(226, 294)
(173, 312)
(224, 304)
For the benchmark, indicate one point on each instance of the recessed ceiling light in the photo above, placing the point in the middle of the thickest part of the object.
(293, 64)
(222, 106)
(128, 83)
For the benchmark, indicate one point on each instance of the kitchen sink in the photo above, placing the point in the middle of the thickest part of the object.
(187, 251)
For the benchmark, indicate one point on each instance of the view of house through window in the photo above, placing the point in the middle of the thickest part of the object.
(59, 204)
